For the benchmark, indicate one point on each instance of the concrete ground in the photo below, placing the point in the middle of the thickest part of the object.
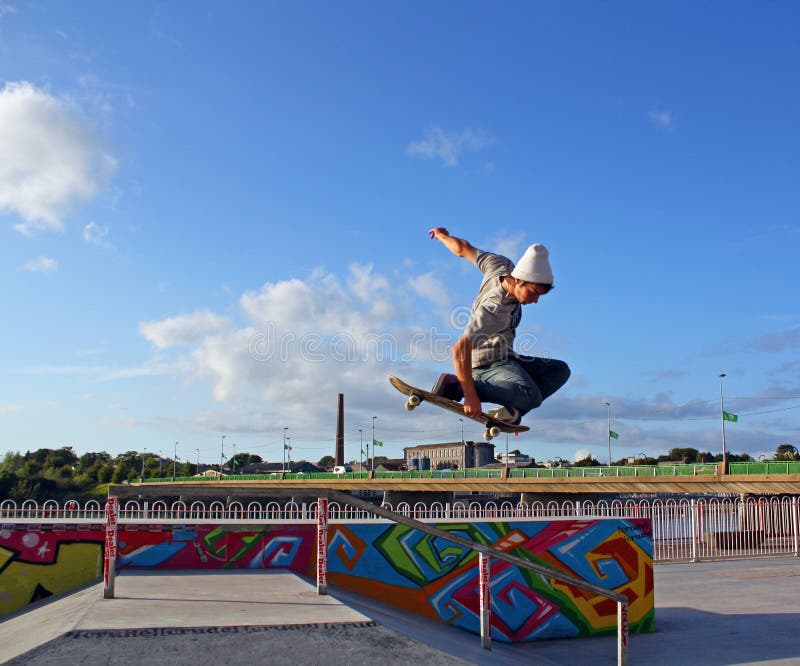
(713, 613)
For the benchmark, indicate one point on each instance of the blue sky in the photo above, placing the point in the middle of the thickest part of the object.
(213, 218)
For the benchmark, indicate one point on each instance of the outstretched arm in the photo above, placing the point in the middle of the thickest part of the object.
(457, 246)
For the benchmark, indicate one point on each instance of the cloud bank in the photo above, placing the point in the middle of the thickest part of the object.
(51, 158)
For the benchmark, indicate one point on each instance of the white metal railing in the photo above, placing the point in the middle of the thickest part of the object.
(683, 529)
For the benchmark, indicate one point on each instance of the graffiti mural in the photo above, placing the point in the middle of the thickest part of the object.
(425, 574)
(37, 564)
(392, 563)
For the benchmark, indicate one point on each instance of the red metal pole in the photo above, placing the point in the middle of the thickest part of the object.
(322, 545)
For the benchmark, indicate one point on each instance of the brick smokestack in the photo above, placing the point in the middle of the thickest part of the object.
(340, 432)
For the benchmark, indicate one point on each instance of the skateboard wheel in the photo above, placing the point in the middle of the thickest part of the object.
(494, 431)
(414, 400)
(487, 434)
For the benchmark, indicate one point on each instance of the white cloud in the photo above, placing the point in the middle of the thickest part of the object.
(182, 329)
(100, 372)
(448, 147)
(661, 118)
(41, 264)
(430, 288)
(509, 245)
(364, 283)
(304, 341)
(95, 234)
(9, 409)
(51, 158)
(581, 454)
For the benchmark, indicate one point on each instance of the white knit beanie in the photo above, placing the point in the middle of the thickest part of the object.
(534, 265)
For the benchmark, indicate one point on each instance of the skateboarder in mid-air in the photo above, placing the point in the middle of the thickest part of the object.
(487, 368)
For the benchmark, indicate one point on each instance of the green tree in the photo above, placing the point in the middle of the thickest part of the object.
(105, 473)
(122, 472)
(786, 452)
(687, 455)
(327, 462)
(13, 463)
(588, 461)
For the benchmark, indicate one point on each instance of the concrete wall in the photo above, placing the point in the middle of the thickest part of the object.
(392, 563)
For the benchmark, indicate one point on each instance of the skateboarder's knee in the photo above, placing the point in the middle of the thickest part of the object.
(561, 371)
(531, 399)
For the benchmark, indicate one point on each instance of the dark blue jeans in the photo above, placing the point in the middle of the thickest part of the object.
(522, 382)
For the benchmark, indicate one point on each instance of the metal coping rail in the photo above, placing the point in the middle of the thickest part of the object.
(621, 599)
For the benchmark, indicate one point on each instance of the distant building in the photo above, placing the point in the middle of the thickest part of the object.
(449, 455)
(391, 465)
(514, 458)
(211, 473)
(301, 466)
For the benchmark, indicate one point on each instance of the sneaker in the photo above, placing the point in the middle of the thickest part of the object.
(448, 386)
(509, 415)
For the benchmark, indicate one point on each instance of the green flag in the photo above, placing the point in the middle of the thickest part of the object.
(362, 452)
(375, 442)
(613, 434)
(733, 418)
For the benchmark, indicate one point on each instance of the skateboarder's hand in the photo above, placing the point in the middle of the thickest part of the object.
(472, 406)
(437, 232)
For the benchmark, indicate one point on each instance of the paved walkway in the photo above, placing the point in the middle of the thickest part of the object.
(709, 614)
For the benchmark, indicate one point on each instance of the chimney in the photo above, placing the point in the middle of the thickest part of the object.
(340, 432)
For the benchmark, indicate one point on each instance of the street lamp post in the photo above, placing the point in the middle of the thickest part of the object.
(463, 448)
(144, 455)
(221, 453)
(283, 466)
(174, 461)
(608, 404)
(361, 435)
(373, 444)
(233, 460)
(160, 456)
(722, 414)
(197, 471)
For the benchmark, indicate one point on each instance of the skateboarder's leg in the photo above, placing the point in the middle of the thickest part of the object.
(508, 384)
(549, 374)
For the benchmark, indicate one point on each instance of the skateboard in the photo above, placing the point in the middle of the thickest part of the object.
(417, 395)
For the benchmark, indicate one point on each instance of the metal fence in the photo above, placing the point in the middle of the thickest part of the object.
(691, 469)
(683, 530)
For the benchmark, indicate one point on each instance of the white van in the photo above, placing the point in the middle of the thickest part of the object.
(342, 469)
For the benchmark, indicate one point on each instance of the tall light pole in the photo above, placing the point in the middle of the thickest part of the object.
(160, 456)
(221, 454)
(722, 414)
(144, 455)
(373, 444)
(233, 460)
(197, 471)
(361, 435)
(283, 466)
(608, 404)
(289, 451)
(463, 448)
(175, 461)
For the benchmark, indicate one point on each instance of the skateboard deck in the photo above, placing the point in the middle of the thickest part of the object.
(417, 395)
